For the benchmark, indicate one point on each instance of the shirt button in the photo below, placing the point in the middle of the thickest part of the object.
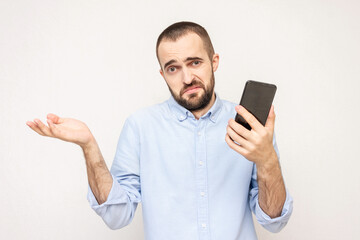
(203, 225)
(202, 194)
(201, 163)
(199, 133)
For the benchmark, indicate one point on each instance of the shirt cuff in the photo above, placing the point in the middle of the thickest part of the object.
(116, 195)
(275, 224)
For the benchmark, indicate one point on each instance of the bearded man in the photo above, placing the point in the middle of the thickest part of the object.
(197, 172)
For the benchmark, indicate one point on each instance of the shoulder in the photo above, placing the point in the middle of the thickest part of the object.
(228, 107)
(149, 114)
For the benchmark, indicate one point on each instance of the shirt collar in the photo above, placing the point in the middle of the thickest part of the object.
(182, 113)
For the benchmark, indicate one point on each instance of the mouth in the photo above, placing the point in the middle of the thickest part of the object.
(191, 90)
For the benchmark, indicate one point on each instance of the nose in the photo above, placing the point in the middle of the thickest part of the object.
(188, 76)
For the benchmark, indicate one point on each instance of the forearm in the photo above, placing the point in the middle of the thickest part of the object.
(99, 177)
(272, 193)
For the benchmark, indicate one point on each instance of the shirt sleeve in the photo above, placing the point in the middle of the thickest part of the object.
(125, 194)
(271, 224)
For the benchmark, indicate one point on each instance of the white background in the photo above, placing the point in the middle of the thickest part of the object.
(95, 61)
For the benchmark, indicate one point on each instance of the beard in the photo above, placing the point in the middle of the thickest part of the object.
(196, 101)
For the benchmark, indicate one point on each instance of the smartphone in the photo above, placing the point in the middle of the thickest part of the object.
(257, 98)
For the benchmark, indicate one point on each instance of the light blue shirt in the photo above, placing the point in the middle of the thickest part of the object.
(191, 184)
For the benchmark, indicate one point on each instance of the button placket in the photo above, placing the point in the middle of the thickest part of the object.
(201, 180)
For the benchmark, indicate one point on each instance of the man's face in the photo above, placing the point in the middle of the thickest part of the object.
(188, 71)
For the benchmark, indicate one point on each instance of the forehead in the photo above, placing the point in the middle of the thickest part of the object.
(189, 45)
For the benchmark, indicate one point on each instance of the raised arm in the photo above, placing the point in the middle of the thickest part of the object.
(257, 146)
(75, 131)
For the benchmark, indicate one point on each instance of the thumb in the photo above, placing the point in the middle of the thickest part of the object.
(53, 128)
(54, 118)
(270, 122)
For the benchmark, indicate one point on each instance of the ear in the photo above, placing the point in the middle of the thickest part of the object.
(215, 61)
(162, 73)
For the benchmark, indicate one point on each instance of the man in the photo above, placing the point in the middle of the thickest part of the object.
(178, 159)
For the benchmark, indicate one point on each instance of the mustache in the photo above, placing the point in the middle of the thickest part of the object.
(194, 83)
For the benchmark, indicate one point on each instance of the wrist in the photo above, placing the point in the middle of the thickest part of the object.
(268, 168)
(89, 145)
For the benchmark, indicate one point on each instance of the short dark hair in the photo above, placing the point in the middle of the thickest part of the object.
(179, 29)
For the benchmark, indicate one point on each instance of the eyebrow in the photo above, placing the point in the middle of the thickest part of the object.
(169, 62)
(193, 58)
(186, 60)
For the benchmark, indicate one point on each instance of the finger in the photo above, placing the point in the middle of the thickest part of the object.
(239, 133)
(235, 146)
(240, 129)
(53, 128)
(249, 118)
(54, 118)
(235, 137)
(43, 128)
(35, 127)
(270, 121)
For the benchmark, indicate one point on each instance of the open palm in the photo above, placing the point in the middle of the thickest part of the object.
(67, 129)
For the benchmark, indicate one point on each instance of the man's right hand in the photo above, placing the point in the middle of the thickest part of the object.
(72, 130)
(66, 129)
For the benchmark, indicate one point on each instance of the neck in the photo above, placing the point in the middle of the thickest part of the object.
(199, 113)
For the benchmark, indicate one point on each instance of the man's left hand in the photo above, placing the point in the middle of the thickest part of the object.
(256, 144)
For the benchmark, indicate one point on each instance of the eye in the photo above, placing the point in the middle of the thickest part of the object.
(171, 69)
(195, 62)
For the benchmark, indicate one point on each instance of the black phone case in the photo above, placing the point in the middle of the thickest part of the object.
(257, 98)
